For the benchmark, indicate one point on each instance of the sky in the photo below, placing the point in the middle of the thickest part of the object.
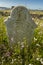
(31, 4)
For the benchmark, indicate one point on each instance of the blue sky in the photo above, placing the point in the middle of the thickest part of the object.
(32, 4)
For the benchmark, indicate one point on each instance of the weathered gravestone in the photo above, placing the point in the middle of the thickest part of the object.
(20, 25)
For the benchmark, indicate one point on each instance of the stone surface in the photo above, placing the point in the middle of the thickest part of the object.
(20, 25)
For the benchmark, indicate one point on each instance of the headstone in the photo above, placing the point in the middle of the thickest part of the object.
(20, 25)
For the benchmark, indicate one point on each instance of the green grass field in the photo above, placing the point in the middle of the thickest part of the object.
(21, 53)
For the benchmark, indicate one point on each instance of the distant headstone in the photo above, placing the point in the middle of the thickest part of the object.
(20, 25)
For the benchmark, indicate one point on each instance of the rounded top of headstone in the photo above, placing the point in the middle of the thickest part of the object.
(19, 13)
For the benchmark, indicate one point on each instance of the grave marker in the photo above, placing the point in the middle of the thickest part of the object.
(20, 25)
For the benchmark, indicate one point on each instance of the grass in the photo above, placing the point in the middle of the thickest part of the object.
(21, 53)
(39, 12)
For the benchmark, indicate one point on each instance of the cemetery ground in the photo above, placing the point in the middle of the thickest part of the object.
(21, 53)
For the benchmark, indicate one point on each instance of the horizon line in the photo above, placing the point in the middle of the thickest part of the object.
(22, 5)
